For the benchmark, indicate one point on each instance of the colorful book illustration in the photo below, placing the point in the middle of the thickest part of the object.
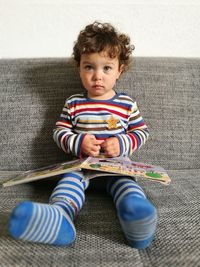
(94, 167)
(124, 166)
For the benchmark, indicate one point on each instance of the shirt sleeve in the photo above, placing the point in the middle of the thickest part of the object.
(64, 135)
(136, 134)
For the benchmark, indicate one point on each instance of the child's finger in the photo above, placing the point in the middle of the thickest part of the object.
(99, 142)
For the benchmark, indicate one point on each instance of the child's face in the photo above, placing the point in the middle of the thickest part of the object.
(98, 74)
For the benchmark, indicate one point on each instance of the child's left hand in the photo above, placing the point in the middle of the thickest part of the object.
(111, 147)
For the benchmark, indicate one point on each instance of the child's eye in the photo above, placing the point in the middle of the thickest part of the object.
(107, 68)
(87, 67)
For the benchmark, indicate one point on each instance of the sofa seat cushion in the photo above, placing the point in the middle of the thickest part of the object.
(178, 226)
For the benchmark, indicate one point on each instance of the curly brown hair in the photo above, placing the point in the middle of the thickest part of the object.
(99, 37)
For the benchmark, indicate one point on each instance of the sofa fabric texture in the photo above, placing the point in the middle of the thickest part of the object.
(167, 90)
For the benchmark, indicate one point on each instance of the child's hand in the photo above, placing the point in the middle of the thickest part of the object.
(111, 147)
(91, 146)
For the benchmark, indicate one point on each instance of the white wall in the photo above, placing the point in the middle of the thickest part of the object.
(48, 28)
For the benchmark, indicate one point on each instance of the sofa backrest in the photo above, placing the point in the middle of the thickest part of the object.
(33, 91)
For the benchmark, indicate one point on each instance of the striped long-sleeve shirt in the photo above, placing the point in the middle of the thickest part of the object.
(119, 117)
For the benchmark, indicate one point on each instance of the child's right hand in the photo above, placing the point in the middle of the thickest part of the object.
(91, 146)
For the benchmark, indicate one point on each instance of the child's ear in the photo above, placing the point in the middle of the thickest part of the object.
(121, 69)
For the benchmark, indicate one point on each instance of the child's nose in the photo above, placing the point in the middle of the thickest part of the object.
(97, 75)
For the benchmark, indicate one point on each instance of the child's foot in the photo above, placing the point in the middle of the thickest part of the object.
(138, 218)
(42, 223)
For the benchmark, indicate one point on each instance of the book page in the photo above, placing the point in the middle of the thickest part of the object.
(44, 172)
(127, 167)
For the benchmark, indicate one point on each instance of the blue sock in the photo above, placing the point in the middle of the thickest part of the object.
(137, 216)
(50, 224)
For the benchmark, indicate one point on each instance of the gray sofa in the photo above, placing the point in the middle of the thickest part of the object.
(167, 90)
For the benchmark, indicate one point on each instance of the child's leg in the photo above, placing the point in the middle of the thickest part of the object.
(51, 223)
(138, 217)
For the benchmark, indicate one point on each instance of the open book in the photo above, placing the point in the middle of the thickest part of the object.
(94, 167)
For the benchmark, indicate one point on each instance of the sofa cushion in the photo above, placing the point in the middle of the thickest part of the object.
(100, 241)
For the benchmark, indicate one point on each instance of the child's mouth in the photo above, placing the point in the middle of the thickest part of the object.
(97, 86)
